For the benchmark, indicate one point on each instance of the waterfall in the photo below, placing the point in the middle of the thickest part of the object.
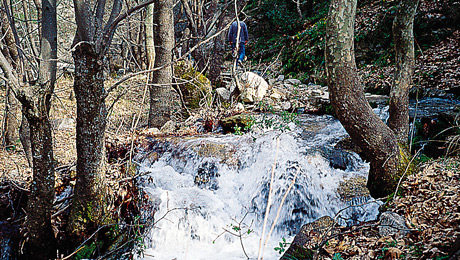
(208, 195)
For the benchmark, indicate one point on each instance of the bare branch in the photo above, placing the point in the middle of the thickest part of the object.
(131, 75)
(111, 26)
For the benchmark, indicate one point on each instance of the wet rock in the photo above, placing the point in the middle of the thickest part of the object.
(224, 153)
(352, 188)
(391, 223)
(339, 159)
(348, 145)
(433, 107)
(310, 236)
(206, 176)
(433, 133)
(377, 100)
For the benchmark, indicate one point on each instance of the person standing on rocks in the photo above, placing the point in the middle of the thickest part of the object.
(243, 39)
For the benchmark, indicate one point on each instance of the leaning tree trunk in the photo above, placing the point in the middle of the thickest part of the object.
(88, 203)
(11, 53)
(403, 28)
(161, 91)
(347, 97)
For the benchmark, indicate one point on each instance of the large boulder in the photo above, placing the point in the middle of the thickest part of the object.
(193, 85)
(252, 87)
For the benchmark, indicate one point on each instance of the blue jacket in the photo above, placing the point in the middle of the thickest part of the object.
(233, 31)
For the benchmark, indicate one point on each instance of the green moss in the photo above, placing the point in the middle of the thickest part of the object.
(407, 165)
(86, 251)
(240, 121)
(195, 86)
(296, 252)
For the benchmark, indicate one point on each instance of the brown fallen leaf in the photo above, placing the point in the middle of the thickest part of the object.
(393, 253)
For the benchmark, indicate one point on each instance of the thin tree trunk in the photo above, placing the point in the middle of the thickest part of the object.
(10, 120)
(347, 97)
(42, 244)
(149, 40)
(161, 92)
(403, 28)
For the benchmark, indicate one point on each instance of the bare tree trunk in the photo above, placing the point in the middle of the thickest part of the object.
(11, 115)
(377, 140)
(10, 119)
(403, 28)
(88, 204)
(149, 40)
(91, 43)
(42, 244)
(161, 92)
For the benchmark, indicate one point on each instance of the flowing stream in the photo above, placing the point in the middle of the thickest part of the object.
(208, 195)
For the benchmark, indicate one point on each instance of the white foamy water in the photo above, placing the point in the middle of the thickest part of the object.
(198, 221)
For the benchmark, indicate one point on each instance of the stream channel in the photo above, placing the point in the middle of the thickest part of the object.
(206, 192)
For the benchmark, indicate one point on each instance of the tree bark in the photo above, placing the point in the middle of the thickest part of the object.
(91, 43)
(88, 204)
(347, 97)
(161, 91)
(11, 121)
(403, 28)
(149, 37)
(11, 53)
(42, 244)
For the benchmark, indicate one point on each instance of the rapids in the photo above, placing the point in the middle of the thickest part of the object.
(209, 203)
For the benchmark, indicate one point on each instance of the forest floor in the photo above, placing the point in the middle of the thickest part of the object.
(430, 202)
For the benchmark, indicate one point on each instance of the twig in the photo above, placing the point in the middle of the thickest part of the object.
(273, 62)
(405, 171)
(279, 208)
(269, 201)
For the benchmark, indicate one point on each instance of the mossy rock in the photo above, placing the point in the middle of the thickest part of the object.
(239, 120)
(193, 85)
